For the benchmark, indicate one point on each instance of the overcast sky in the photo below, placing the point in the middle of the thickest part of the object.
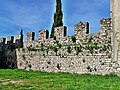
(35, 15)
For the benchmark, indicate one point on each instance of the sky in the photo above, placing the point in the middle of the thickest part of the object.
(35, 15)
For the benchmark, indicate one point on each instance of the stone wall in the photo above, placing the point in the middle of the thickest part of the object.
(105, 24)
(96, 53)
(60, 33)
(43, 35)
(94, 64)
(80, 33)
(80, 53)
(30, 36)
(2, 41)
(92, 54)
(80, 29)
(10, 39)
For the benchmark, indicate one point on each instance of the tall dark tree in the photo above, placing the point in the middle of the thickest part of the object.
(21, 39)
(58, 16)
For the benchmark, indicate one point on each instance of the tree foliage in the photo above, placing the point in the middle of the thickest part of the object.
(57, 17)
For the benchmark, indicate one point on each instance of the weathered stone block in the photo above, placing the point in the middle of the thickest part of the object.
(60, 32)
(30, 36)
(43, 35)
(81, 29)
(105, 24)
(19, 41)
(2, 41)
(10, 39)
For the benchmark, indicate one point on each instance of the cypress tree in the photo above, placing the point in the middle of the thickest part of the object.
(21, 40)
(57, 17)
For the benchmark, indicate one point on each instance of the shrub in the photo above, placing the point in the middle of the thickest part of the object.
(59, 45)
(78, 49)
(54, 37)
(57, 42)
(69, 49)
(90, 40)
(50, 47)
(104, 48)
(90, 48)
(73, 39)
(47, 50)
(55, 49)
(18, 49)
(95, 46)
(42, 47)
(31, 49)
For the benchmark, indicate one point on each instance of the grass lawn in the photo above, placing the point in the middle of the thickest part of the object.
(14, 79)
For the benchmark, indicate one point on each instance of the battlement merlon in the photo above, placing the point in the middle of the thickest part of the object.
(83, 26)
(60, 32)
(19, 38)
(19, 41)
(105, 24)
(43, 35)
(30, 36)
(81, 29)
(10, 39)
(2, 41)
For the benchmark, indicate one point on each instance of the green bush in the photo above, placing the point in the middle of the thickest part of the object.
(32, 49)
(69, 49)
(42, 47)
(59, 45)
(90, 40)
(55, 49)
(54, 37)
(73, 39)
(78, 49)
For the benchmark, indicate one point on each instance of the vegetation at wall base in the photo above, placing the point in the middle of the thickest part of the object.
(14, 79)
(73, 39)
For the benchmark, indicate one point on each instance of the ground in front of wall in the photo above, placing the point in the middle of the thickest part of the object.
(14, 79)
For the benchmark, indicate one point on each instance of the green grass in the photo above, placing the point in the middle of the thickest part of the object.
(33, 80)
